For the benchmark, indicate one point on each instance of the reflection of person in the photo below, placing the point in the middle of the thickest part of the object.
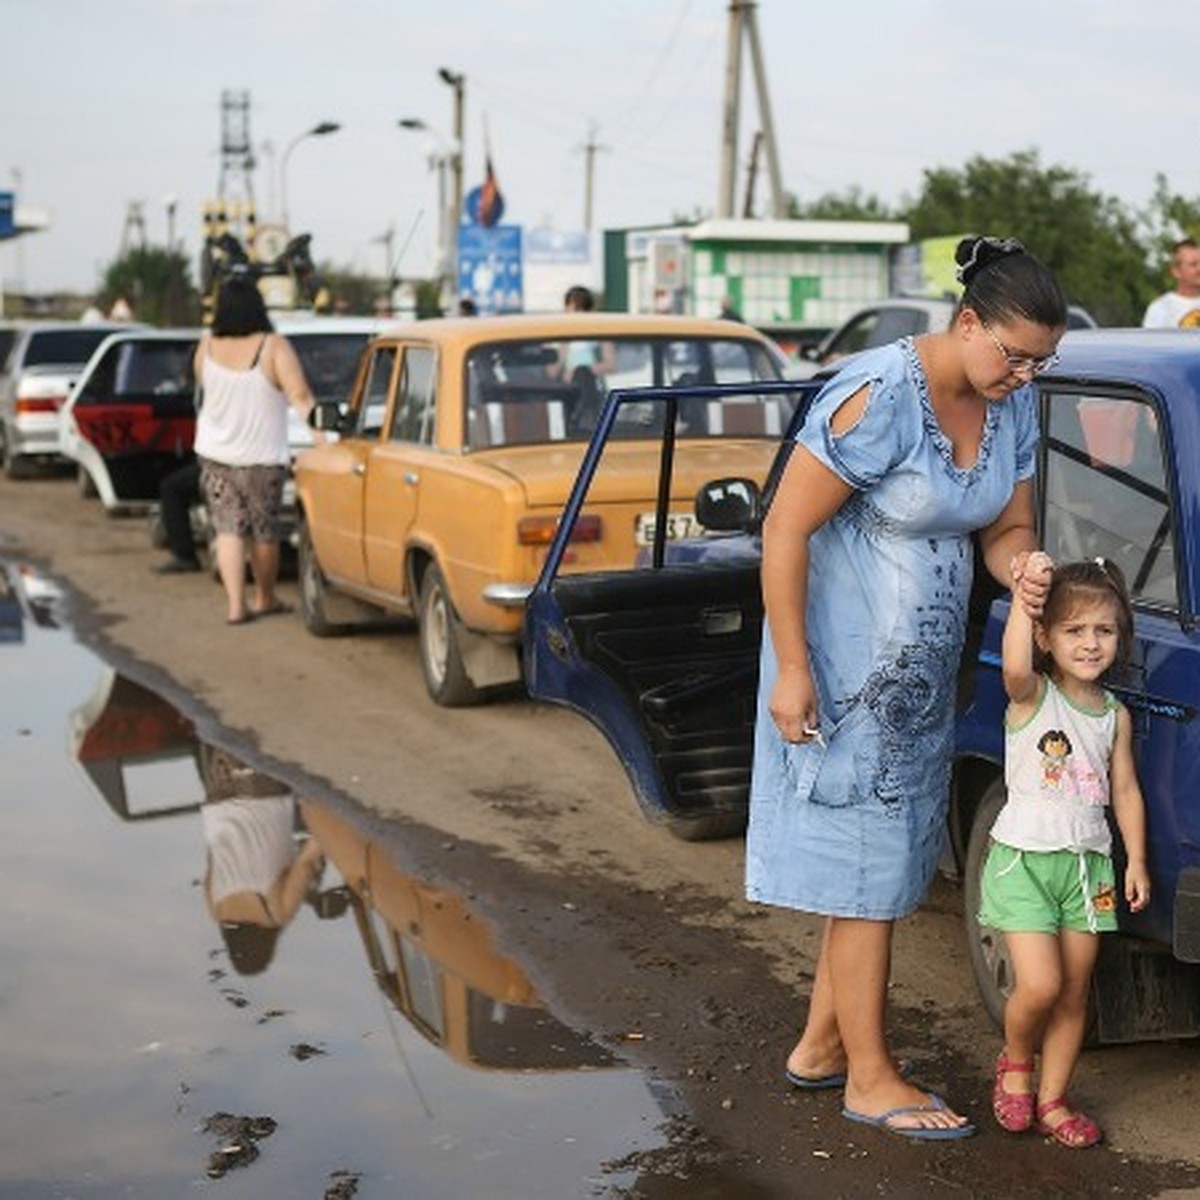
(178, 491)
(1180, 308)
(907, 452)
(1049, 882)
(249, 375)
(258, 873)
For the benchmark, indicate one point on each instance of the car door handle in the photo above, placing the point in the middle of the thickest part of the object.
(411, 478)
(360, 468)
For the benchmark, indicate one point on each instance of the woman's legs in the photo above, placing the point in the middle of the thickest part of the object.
(264, 566)
(846, 1022)
(231, 565)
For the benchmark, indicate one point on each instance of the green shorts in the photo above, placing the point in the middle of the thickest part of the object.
(1039, 891)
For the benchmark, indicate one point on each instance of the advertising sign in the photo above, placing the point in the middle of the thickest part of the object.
(8, 202)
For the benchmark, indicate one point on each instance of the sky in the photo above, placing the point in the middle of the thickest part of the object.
(113, 103)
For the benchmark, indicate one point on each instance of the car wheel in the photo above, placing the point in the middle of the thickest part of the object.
(315, 592)
(85, 483)
(988, 952)
(446, 677)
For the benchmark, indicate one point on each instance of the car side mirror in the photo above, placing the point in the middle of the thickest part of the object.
(326, 417)
(730, 505)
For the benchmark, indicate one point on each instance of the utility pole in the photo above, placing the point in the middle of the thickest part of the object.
(752, 175)
(590, 147)
(457, 81)
(743, 25)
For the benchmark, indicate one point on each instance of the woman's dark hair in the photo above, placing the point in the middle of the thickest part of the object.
(1085, 582)
(580, 298)
(240, 308)
(1002, 280)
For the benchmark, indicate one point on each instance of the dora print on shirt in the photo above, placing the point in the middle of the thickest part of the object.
(1056, 769)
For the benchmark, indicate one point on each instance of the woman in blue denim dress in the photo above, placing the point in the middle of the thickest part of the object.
(867, 569)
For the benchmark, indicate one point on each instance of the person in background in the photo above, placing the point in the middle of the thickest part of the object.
(728, 312)
(911, 452)
(1048, 883)
(177, 493)
(249, 375)
(467, 307)
(1180, 308)
(579, 299)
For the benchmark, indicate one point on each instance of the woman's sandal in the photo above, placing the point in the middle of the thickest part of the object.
(1014, 1111)
(1076, 1131)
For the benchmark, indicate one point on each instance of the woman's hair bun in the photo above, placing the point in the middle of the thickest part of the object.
(975, 253)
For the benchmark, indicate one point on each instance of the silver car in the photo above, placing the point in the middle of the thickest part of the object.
(43, 365)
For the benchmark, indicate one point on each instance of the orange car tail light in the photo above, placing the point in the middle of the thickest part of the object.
(39, 404)
(539, 531)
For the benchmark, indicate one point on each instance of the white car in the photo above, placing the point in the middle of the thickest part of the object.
(43, 365)
(887, 320)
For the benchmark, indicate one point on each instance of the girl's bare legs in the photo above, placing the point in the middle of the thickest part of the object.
(264, 566)
(848, 1007)
(1067, 1021)
(1037, 964)
(231, 565)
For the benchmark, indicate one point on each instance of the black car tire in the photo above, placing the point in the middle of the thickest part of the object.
(446, 677)
(990, 963)
(316, 598)
(15, 465)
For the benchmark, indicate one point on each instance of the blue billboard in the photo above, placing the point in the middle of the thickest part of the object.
(8, 224)
(489, 267)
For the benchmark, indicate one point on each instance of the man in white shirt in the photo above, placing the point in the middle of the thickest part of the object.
(1179, 309)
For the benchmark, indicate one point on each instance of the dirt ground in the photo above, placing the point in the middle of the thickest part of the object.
(643, 940)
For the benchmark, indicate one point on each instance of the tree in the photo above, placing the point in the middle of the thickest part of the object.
(851, 205)
(156, 283)
(1089, 240)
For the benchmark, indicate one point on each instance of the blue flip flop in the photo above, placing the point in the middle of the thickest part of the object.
(917, 1133)
(815, 1083)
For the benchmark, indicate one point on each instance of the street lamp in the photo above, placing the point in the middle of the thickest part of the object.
(447, 158)
(319, 130)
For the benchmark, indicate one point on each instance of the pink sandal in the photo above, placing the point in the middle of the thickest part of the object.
(1013, 1110)
(1076, 1131)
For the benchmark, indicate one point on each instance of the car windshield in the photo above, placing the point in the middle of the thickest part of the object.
(61, 346)
(330, 362)
(542, 391)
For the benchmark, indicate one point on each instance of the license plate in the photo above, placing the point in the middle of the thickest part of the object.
(679, 525)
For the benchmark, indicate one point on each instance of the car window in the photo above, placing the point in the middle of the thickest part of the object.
(879, 327)
(532, 392)
(56, 346)
(330, 362)
(155, 368)
(1104, 489)
(412, 420)
(369, 418)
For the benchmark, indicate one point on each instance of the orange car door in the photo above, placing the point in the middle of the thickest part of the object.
(403, 456)
(338, 509)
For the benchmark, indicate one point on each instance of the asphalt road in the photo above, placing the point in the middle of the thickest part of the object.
(639, 938)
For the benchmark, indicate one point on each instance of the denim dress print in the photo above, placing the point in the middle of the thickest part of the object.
(853, 827)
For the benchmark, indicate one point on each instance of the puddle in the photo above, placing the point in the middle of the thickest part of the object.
(212, 984)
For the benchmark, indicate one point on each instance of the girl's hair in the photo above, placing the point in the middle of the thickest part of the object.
(240, 308)
(1002, 281)
(1086, 582)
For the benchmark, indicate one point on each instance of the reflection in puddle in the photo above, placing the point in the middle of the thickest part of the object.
(206, 975)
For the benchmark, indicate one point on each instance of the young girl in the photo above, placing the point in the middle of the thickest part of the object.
(1049, 882)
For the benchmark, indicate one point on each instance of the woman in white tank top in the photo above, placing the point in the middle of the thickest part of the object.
(249, 375)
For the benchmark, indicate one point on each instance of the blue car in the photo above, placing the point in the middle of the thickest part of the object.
(663, 658)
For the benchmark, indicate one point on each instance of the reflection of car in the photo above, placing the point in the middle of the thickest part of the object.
(462, 438)
(886, 320)
(437, 962)
(665, 660)
(43, 364)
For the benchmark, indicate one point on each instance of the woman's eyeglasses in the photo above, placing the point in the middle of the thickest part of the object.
(1021, 364)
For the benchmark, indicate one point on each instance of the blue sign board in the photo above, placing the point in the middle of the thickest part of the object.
(489, 267)
(8, 225)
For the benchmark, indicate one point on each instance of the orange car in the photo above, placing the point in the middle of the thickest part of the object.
(458, 450)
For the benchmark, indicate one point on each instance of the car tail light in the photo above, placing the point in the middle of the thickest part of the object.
(539, 531)
(39, 404)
